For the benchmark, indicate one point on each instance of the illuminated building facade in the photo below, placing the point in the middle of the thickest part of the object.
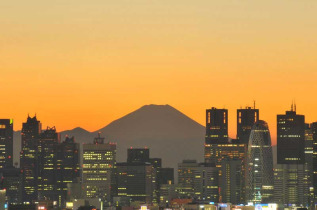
(67, 167)
(259, 173)
(47, 169)
(216, 126)
(291, 138)
(309, 168)
(290, 185)
(157, 165)
(245, 120)
(99, 160)
(215, 153)
(137, 181)
(231, 181)
(313, 127)
(6, 143)
(30, 134)
(219, 147)
(198, 181)
(138, 178)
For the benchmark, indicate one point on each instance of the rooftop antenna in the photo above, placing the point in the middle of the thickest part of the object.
(253, 104)
(295, 105)
(292, 106)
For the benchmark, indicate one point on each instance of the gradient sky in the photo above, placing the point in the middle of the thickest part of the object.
(86, 63)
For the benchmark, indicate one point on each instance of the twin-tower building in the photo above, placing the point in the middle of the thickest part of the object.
(246, 163)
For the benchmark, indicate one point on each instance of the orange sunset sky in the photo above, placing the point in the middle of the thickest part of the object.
(86, 63)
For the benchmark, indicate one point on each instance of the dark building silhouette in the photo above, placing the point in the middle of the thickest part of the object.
(137, 181)
(137, 178)
(67, 166)
(313, 127)
(245, 120)
(216, 126)
(10, 179)
(6, 143)
(30, 135)
(166, 176)
(136, 155)
(23, 207)
(291, 138)
(232, 180)
(48, 141)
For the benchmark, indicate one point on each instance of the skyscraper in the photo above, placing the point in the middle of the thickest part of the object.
(99, 160)
(245, 120)
(290, 185)
(31, 130)
(291, 138)
(314, 132)
(259, 173)
(198, 181)
(67, 167)
(216, 126)
(47, 144)
(216, 132)
(231, 181)
(6, 143)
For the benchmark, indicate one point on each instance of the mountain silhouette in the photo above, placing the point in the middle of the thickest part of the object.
(168, 133)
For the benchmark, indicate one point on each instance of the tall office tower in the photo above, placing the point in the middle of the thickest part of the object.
(215, 154)
(259, 168)
(291, 138)
(290, 185)
(6, 143)
(309, 168)
(245, 120)
(157, 164)
(231, 181)
(137, 181)
(216, 126)
(10, 179)
(67, 167)
(138, 155)
(47, 169)
(99, 160)
(137, 178)
(313, 127)
(198, 181)
(30, 134)
(216, 132)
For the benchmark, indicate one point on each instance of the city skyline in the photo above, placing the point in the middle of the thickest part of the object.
(232, 120)
(95, 62)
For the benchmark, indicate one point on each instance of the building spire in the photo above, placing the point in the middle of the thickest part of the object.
(294, 105)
